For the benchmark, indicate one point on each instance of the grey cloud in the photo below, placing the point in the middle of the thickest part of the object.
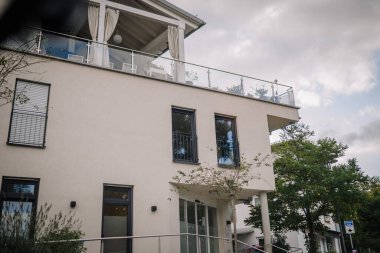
(368, 133)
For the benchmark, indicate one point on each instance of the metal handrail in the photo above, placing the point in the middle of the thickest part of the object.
(149, 236)
(155, 55)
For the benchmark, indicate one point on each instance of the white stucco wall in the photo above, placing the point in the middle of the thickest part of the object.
(109, 127)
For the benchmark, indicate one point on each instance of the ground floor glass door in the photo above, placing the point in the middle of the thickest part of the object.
(198, 219)
(117, 218)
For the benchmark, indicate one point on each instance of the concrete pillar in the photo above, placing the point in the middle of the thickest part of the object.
(101, 26)
(181, 52)
(266, 222)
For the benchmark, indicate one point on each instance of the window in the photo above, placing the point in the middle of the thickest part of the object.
(19, 197)
(183, 135)
(199, 219)
(29, 114)
(226, 141)
(256, 201)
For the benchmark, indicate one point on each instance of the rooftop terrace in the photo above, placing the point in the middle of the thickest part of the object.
(121, 59)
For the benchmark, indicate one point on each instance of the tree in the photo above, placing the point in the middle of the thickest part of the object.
(13, 63)
(367, 224)
(224, 183)
(310, 184)
(261, 93)
(23, 232)
(236, 89)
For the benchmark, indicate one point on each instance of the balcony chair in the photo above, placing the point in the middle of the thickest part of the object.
(76, 58)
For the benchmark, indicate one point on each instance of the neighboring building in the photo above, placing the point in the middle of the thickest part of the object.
(329, 242)
(101, 129)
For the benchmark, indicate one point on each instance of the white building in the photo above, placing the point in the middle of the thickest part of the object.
(104, 122)
(327, 243)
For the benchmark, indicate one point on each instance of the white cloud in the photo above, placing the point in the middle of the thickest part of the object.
(330, 44)
(370, 110)
(308, 98)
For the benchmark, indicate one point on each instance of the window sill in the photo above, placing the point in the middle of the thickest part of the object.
(25, 145)
(227, 166)
(186, 162)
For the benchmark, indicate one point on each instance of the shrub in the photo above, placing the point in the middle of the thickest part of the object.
(22, 231)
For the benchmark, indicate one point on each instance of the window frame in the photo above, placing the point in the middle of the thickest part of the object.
(194, 159)
(43, 146)
(236, 141)
(23, 180)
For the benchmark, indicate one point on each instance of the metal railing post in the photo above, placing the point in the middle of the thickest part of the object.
(242, 85)
(88, 52)
(208, 78)
(132, 59)
(39, 42)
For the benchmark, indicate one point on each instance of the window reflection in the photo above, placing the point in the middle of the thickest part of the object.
(226, 141)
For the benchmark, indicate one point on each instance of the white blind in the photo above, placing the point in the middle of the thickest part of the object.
(29, 114)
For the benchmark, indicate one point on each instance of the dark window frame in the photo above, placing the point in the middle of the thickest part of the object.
(13, 111)
(22, 180)
(194, 146)
(236, 159)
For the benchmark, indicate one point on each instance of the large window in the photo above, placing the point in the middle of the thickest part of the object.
(18, 201)
(199, 219)
(183, 135)
(29, 114)
(226, 141)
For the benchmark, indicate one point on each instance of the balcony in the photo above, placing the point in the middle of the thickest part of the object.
(121, 59)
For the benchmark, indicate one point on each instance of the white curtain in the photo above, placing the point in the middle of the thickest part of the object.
(110, 23)
(93, 23)
(173, 49)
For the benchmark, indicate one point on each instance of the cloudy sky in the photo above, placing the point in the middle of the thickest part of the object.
(328, 50)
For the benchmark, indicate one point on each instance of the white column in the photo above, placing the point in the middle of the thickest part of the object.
(266, 222)
(181, 52)
(101, 26)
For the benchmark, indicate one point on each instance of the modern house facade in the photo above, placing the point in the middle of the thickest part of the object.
(102, 122)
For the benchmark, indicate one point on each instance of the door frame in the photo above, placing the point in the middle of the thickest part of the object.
(129, 189)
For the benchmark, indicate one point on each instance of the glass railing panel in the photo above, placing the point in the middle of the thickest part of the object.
(165, 67)
(196, 75)
(69, 48)
(226, 82)
(120, 59)
(259, 89)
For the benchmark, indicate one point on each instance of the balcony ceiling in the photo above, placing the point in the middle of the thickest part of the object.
(138, 32)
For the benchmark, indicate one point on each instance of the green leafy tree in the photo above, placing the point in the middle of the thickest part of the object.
(226, 184)
(236, 89)
(310, 184)
(368, 219)
(280, 244)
